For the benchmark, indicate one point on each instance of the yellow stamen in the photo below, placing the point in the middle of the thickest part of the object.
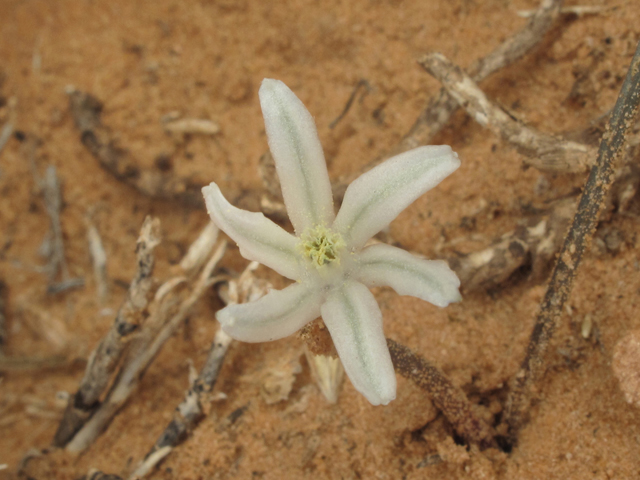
(321, 245)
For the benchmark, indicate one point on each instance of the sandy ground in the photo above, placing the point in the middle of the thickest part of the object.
(205, 59)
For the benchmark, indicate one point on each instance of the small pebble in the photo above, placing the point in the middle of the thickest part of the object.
(626, 366)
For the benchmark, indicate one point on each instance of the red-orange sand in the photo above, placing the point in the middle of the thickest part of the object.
(205, 59)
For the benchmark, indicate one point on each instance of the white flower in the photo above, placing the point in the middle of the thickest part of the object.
(327, 257)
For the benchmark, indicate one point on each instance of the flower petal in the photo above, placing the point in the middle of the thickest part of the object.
(375, 198)
(258, 237)
(276, 315)
(354, 320)
(296, 149)
(429, 280)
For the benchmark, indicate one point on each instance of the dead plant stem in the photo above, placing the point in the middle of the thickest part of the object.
(441, 106)
(580, 233)
(168, 314)
(542, 151)
(107, 355)
(191, 410)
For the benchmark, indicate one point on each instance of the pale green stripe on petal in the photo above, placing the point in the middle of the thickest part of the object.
(298, 155)
(375, 198)
(429, 280)
(258, 237)
(278, 314)
(354, 320)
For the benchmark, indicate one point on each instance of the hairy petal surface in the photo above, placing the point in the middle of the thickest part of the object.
(429, 280)
(375, 198)
(296, 149)
(354, 320)
(278, 314)
(258, 237)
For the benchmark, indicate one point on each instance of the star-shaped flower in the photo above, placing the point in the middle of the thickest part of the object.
(327, 256)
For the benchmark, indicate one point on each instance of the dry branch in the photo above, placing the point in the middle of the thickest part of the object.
(53, 246)
(534, 246)
(446, 397)
(159, 328)
(52, 195)
(99, 140)
(584, 223)
(198, 251)
(170, 305)
(51, 191)
(578, 10)
(543, 151)
(107, 355)
(191, 410)
(441, 106)
(247, 288)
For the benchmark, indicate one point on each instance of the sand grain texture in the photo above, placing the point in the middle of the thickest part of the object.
(152, 60)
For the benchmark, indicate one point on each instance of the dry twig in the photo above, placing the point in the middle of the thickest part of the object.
(582, 228)
(99, 139)
(578, 10)
(53, 202)
(541, 150)
(53, 246)
(198, 251)
(107, 355)
(535, 245)
(191, 410)
(532, 246)
(247, 288)
(441, 106)
(64, 285)
(52, 194)
(446, 397)
(99, 258)
(361, 84)
(171, 304)
(191, 126)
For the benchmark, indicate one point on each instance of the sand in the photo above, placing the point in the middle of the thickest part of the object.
(205, 59)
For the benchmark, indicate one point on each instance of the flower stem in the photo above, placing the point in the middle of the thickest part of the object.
(448, 398)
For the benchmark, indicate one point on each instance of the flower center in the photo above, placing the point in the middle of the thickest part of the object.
(321, 245)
